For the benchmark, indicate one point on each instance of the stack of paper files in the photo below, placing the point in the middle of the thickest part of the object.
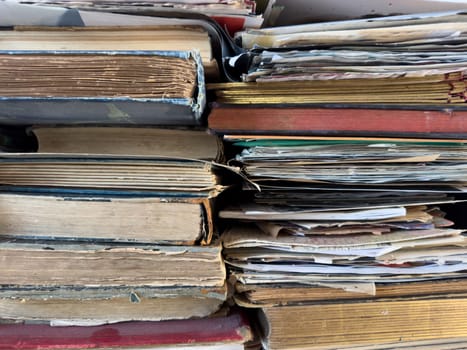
(350, 78)
(352, 262)
(348, 191)
(347, 223)
(355, 163)
(415, 31)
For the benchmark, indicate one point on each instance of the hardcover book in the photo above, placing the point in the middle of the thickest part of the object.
(223, 332)
(95, 283)
(96, 87)
(111, 198)
(390, 323)
(142, 141)
(331, 120)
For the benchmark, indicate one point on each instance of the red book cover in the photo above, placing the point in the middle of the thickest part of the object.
(388, 121)
(229, 329)
(231, 24)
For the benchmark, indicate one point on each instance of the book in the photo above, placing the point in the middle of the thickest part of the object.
(243, 140)
(13, 12)
(110, 198)
(142, 141)
(374, 324)
(138, 265)
(221, 44)
(96, 216)
(435, 88)
(87, 306)
(92, 87)
(111, 38)
(344, 120)
(223, 332)
(276, 294)
(99, 283)
(193, 177)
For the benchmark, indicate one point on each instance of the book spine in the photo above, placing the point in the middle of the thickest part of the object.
(338, 121)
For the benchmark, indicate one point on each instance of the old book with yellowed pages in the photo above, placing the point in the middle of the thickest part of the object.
(112, 38)
(98, 87)
(110, 172)
(275, 294)
(102, 283)
(382, 324)
(143, 141)
(121, 218)
(111, 198)
(434, 89)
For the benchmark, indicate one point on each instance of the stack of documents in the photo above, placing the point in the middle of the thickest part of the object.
(344, 237)
(370, 71)
(353, 238)
(346, 215)
(372, 163)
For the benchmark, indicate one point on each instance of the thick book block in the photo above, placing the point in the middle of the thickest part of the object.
(74, 264)
(121, 219)
(86, 284)
(117, 37)
(91, 305)
(96, 87)
(342, 325)
(142, 141)
(116, 198)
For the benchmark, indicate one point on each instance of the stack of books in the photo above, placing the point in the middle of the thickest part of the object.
(121, 220)
(344, 236)
(103, 234)
(109, 202)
